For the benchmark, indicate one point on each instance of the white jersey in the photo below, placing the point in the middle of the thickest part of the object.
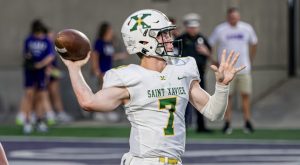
(157, 106)
(235, 38)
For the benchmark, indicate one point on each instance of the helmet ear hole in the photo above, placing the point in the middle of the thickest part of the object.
(144, 51)
(153, 33)
(143, 42)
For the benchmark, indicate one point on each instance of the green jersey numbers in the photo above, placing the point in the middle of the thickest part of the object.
(170, 105)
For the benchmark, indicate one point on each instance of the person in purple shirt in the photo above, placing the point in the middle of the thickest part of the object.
(102, 56)
(38, 54)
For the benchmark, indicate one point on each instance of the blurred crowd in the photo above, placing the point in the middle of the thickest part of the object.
(42, 105)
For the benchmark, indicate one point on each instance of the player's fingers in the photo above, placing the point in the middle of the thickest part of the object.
(223, 56)
(236, 57)
(214, 68)
(229, 57)
(240, 68)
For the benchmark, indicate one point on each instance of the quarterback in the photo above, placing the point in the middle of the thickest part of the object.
(156, 92)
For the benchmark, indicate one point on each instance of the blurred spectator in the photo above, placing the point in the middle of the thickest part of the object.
(102, 56)
(53, 86)
(38, 54)
(195, 45)
(3, 159)
(102, 60)
(175, 32)
(240, 37)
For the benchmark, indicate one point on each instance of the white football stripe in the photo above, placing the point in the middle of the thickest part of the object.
(61, 50)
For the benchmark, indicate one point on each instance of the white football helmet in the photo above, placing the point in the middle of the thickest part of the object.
(140, 30)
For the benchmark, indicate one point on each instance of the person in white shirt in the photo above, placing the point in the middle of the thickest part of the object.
(239, 36)
(156, 92)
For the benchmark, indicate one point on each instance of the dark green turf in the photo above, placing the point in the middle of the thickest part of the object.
(272, 134)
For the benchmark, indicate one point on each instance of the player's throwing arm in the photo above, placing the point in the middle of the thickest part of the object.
(74, 49)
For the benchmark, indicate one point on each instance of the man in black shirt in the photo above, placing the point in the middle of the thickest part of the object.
(195, 45)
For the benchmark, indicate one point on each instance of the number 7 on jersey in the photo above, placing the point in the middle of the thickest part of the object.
(168, 104)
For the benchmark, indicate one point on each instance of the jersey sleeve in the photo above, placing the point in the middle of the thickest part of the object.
(112, 79)
(192, 70)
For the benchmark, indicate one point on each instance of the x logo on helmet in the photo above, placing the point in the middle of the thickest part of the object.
(139, 22)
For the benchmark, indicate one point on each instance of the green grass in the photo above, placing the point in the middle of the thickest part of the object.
(270, 134)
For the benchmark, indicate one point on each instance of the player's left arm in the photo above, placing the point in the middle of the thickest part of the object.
(104, 100)
(213, 107)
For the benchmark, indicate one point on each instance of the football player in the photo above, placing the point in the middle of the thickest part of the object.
(156, 92)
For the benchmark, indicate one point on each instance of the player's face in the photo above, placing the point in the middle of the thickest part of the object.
(233, 18)
(167, 39)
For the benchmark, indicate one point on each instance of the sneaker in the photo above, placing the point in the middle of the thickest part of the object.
(248, 128)
(227, 129)
(51, 120)
(63, 117)
(33, 118)
(42, 127)
(20, 119)
(27, 128)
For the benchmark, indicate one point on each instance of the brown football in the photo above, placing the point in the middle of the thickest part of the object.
(72, 44)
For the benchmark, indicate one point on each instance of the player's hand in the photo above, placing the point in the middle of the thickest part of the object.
(226, 71)
(76, 64)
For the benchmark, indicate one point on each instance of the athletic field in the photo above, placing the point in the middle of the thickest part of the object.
(105, 146)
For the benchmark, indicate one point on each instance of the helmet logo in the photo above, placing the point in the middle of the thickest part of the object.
(139, 22)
